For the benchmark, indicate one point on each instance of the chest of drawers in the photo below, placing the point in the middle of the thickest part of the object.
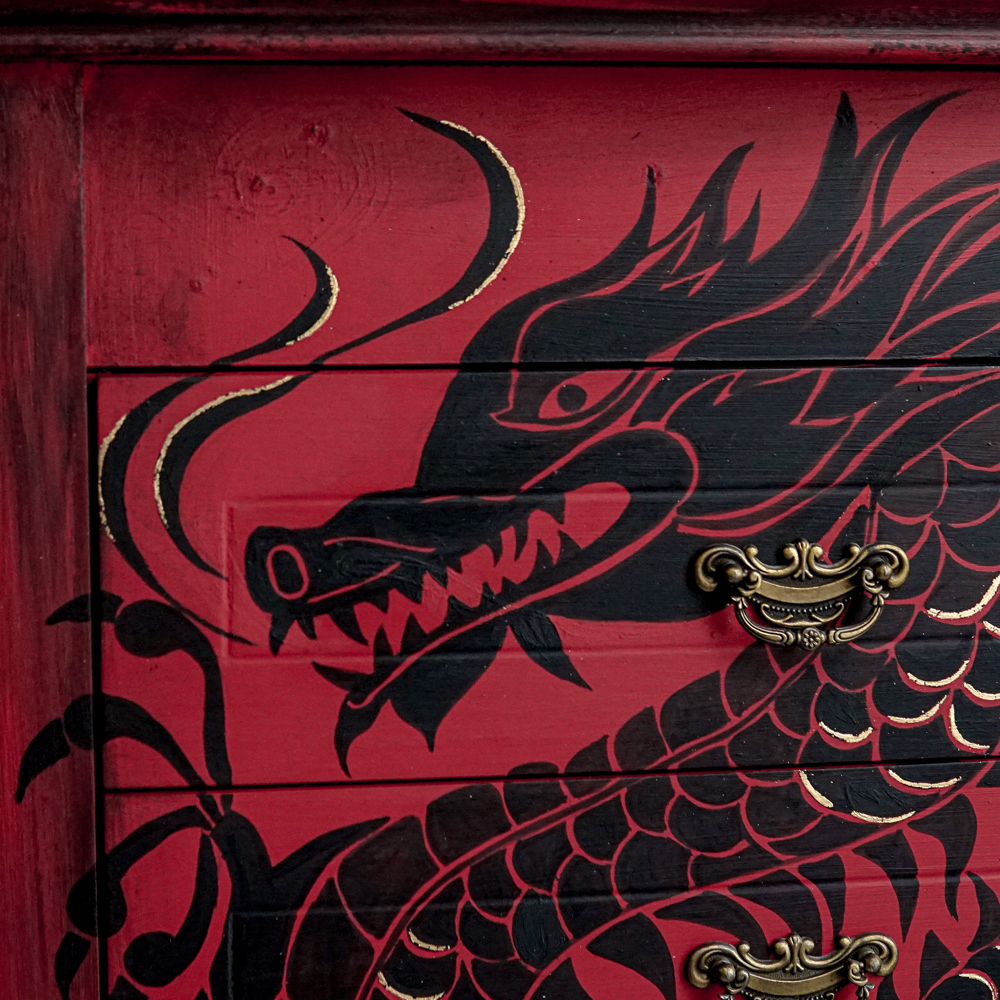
(432, 492)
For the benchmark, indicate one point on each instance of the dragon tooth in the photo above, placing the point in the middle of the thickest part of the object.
(383, 658)
(414, 637)
(280, 624)
(346, 619)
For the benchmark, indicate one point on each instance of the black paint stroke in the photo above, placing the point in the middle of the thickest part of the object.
(122, 447)
(122, 719)
(46, 749)
(70, 954)
(503, 224)
(80, 609)
(157, 958)
(151, 629)
(81, 906)
(186, 442)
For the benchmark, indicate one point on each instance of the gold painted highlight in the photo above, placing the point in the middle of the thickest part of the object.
(957, 733)
(519, 196)
(847, 737)
(982, 695)
(944, 682)
(817, 795)
(924, 785)
(976, 977)
(383, 982)
(991, 592)
(426, 946)
(101, 453)
(869, 818)
(923, 717)
(325, 315)
(177, 428)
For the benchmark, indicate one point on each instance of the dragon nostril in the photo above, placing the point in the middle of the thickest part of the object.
(287, 571)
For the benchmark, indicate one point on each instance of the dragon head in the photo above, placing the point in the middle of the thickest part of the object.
(589, 444)
(596, 434)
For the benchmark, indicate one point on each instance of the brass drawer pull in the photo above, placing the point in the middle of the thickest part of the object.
(798, 603)
(794, 971)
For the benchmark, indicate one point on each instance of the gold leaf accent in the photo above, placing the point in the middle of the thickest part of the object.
(101, 453)
(518, 195)
(178, 427)
(426, 946)
(406, 996)
(869, 818)
(817, 795)
(947, 783)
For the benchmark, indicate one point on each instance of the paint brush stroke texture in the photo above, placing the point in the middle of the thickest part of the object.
(551, 486)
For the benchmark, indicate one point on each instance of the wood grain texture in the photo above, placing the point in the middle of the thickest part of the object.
(196, 176)
(49, 837)
(548, 887)
(470, 31)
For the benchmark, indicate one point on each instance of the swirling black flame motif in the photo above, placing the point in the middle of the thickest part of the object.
(485, 893)
(503, 232)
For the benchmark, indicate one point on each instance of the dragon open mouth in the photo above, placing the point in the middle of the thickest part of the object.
(414, 594)
(432, 584)
(491, 571)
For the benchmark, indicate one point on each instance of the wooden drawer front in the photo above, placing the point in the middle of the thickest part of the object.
(570, 888)
(405, 566)
(188, 213)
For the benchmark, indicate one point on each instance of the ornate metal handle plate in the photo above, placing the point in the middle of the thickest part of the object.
(798, 603)
(793, 971)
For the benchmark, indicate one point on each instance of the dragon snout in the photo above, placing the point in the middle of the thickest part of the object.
(297, 574)
(277, 570)
(287, 572)
(294, 576)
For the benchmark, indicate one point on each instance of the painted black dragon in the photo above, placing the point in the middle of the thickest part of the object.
(745, 796)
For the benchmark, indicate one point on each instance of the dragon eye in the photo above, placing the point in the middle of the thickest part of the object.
(580, 392)
(571, 397)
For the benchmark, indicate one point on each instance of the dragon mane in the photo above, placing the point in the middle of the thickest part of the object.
(842, 283)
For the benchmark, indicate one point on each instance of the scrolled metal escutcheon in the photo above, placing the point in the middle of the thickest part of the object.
(793, 971)
(801, 601)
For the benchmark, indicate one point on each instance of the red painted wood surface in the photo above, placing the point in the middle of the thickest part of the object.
(429, 616)
(48, 838)
(186, 254)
